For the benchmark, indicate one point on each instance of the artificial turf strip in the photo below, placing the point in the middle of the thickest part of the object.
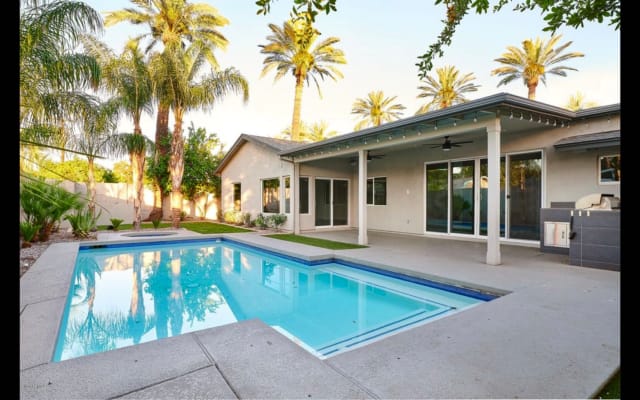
(212, 227)
(325, 244)
(199, 227)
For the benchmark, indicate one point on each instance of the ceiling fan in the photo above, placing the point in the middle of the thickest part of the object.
(354, 160)
(448, 144)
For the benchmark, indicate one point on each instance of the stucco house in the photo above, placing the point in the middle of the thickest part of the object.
(481, 170)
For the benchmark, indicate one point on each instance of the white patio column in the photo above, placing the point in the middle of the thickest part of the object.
(295, 195)
(493, 196)
(362, 197)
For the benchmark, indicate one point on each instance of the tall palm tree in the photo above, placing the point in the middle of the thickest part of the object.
(174, 24)
(290, 48)
(376, 109)
(179, 70)
(128, 77)
(533, 62)
(447, 90)
(51, 76)
(578, 102)
(99, 122)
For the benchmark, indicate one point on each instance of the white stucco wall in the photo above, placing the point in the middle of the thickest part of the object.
(568, 175)
(249, 166)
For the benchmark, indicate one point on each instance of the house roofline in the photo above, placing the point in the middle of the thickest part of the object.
(491, 103)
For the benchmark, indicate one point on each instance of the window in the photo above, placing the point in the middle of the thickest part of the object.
(287, 194)
(237, 202)
(377, 191)
(609, 168)
(304, 195)
(271, 195)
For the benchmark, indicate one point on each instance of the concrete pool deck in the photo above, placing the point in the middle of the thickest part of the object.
(556, 334)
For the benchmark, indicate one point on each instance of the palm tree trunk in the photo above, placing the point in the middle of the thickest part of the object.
(162, 132)
(532, 90)
(176, 168)
(137, 167)
(297, 105)
(91, 188)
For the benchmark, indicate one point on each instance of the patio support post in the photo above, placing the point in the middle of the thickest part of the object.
(362, 197)
(295, 195)
(493, 195)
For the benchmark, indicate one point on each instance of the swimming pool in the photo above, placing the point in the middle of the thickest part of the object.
(129, 293)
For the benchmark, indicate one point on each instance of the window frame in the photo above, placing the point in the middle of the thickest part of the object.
(371, 183)
(238, 206)
(308, 193)
(286, 193)
(276, 192)
(600, 158)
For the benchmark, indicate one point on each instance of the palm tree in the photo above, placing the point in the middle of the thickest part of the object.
(316, 132)
(51, 76)
(577, 102)
(98, 123)
(449, 88)
(175, 24)
(376, 109)
(179, 70)
(129, 78)
(533, 62)
(290, 49)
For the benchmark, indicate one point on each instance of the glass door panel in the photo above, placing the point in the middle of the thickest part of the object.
(437, 197)
(525, 195)
(323, 202)
(462, 198)
(484, 173)
(340, 202)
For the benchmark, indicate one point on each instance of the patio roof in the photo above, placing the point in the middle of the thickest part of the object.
(503, 104)
(589, 141)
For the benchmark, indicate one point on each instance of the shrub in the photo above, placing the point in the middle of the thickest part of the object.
(260, 221)
(276, 220)
(246, 219)
(28, 231)
(115, 223)
(234, 217)
(82, 222)
(183, 215)
(156, 223)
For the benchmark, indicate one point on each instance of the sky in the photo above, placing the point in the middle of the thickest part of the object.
(382, 40)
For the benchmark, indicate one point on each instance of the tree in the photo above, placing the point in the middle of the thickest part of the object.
(290, 49)
(175, 24)
(376, 109)
(202, 154)
(51, 76)
(557, 14)
(533, 62)
(129, 78)
(179, 70)
(316, 132)
(122, 171)
(449, 88)
(578, 102)
(99, 122)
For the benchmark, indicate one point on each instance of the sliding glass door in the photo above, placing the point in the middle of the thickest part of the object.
(452, 188)
(332, 202)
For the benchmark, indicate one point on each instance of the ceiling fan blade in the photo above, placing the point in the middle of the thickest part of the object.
(435, 146)
(463, 142)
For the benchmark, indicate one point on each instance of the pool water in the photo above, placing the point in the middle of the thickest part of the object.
(125, 294)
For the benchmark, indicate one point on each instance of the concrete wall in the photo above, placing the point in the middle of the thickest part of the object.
(249, 166)
(115, 200)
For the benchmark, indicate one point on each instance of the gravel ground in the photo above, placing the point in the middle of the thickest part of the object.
(29, 255)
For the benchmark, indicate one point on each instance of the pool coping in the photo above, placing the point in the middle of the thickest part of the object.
(41, 314)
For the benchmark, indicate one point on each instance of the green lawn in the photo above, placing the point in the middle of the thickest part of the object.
(612, 389)
(326, 244)
(200, 227)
